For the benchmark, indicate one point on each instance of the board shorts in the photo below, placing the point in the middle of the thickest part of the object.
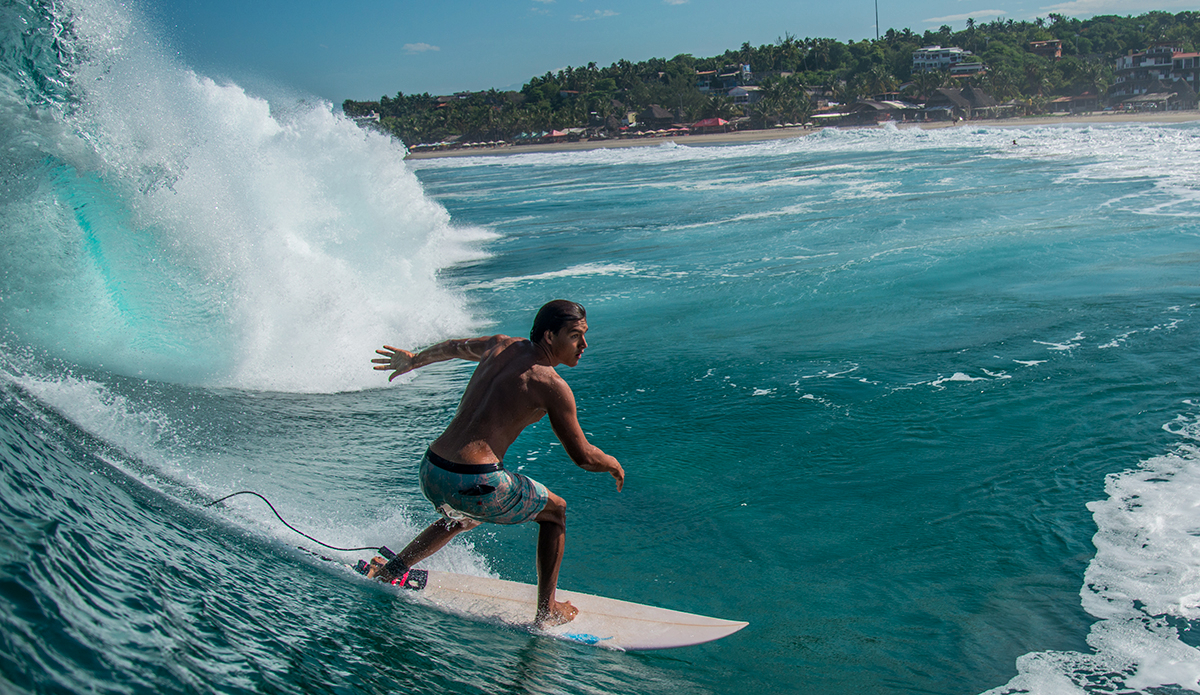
(484, 493)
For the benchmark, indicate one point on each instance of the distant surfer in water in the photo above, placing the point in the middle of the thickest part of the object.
(514, 385)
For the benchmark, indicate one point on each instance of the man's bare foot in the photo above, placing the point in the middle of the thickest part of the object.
(560, 612)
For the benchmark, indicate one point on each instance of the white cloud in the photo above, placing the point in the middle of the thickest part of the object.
(976, 15)
(419, 48)
(1084, 8)
(598, 14)
(676, 2)
(1080, 9)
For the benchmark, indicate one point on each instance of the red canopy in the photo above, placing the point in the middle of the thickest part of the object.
(710, 123)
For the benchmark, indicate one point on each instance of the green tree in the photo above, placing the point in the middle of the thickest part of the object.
(581, 95)
(719, 106)
(924, 84)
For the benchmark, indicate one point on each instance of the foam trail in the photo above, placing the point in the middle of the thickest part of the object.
(1143, 584)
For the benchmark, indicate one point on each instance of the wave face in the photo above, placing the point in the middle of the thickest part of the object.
(161, 225)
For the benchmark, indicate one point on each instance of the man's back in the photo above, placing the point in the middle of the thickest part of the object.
(506, 394)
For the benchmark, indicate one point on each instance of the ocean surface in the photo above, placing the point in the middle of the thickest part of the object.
(921, 406)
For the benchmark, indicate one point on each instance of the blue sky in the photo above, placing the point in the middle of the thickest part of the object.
(366, 48)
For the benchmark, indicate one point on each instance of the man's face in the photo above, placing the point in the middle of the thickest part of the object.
(568, 344)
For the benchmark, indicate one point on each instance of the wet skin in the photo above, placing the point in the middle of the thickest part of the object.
(514, 386)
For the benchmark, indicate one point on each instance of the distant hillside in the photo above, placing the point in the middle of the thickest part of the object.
(792, 76)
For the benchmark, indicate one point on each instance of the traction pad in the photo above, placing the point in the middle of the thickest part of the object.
(412, 579)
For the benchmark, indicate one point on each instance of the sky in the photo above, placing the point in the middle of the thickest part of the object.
(364, 49)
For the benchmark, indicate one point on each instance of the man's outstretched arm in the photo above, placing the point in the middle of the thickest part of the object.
(402, 361)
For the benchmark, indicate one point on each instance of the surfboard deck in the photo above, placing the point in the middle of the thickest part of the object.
(603, 622)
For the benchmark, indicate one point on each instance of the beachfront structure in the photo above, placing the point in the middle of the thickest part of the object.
(867, 111)
(934, 58)
(1162, 96)
(969, 102)
(1157, 101)
(1137, 72)
(655, 117)
(1083, 103)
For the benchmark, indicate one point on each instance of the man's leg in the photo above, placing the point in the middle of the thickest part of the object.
(552, 540)
(428, 542)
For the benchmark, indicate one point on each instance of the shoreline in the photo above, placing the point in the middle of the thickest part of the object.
(747, 136)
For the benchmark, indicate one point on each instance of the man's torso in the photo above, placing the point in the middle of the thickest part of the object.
(505, 395)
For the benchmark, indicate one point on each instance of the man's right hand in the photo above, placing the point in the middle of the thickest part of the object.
(618, 475)
(394, 359)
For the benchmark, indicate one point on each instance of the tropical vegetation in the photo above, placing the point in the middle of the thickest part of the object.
(788, 73)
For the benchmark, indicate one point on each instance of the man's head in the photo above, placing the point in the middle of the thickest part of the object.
(559, 327)
(553, 316)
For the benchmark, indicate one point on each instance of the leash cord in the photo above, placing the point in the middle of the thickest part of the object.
(285, 523)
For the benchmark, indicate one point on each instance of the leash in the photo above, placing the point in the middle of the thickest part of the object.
(285, 523)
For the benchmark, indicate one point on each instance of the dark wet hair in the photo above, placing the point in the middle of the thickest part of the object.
(553, 316)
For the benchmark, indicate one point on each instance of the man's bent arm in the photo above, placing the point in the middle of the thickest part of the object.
(402, 361)
(561, 409)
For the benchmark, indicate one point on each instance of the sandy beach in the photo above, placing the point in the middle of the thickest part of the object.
(782, 133)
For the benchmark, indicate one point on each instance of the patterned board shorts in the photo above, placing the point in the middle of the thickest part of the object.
(498, 496)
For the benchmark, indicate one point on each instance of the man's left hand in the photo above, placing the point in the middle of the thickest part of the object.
(394, 359)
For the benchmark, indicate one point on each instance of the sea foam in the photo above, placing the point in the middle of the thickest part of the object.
(1143, 584)
(189, 231)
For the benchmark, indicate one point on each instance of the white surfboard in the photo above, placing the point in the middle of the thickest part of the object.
(603, 622)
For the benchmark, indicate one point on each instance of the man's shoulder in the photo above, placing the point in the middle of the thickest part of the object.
(547, 379)
(500, 338)
(499, 341)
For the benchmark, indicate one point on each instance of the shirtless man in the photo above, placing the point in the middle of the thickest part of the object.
(514, 385)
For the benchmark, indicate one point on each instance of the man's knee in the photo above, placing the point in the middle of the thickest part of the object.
(467, 524)
(555, 511)
(458, 525)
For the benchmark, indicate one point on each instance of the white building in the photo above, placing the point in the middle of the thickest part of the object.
(933, 58)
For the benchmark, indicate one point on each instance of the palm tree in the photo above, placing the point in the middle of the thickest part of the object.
(784, 100)
(842, 91)
(789, 50)
(822, 52)
(926, 83)
(1000, 83)
(1094, 77)
(719, 106)
(879, 80)
(1036, 80)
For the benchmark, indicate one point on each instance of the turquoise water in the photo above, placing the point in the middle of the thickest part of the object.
(919, 405)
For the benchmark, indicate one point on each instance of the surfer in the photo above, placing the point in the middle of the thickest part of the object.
(462, 473)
